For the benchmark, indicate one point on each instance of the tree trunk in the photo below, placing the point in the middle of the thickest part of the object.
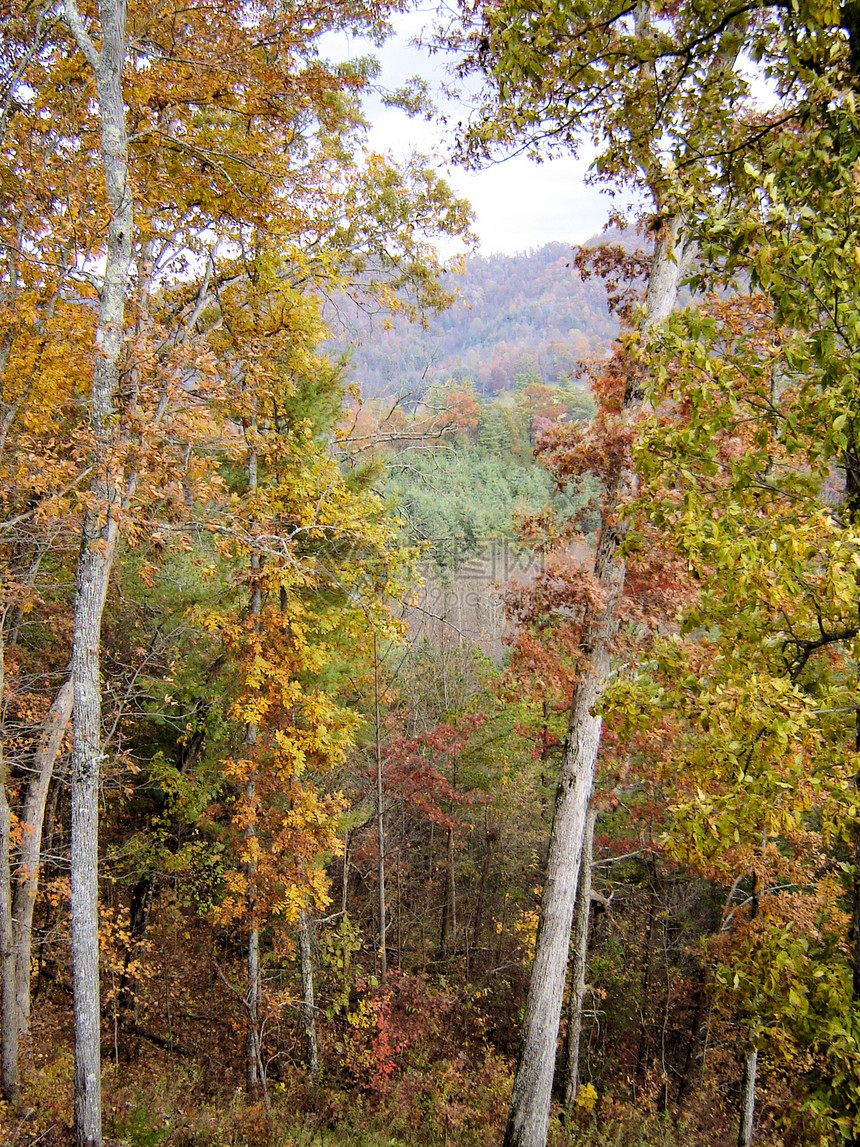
(141, 904)
(93, 574)
(11, 1086)
(582, 913)
(344, 892)
(528, 1116)
(252, 1041)
(530, 1103)
(308, 1009)
(27, 879)
(745, 1131)
(98, 544)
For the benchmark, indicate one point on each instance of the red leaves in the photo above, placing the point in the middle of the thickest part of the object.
(412, 769)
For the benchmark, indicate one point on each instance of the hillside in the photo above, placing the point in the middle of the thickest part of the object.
(528, 313)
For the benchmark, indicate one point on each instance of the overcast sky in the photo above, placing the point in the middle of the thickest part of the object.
(518, 204)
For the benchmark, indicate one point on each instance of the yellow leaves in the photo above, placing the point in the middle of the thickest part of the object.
(586, 1097)
(289, 904)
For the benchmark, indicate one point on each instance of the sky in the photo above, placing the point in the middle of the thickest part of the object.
(519, 204)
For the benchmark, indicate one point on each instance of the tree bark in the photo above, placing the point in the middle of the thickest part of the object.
(528, 1116)
(745, 1131)
(98, 544)
(308, 1008)
(27, 878)
(582, 914)
(93, 574)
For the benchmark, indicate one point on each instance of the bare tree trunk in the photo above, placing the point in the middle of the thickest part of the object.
(745, 1131)
(582, 913)
(93, 573)
(98, 544)
(380, 820)
(27, 878)
(530, 1103)
(308, 1009)
(528, 1116)
(252, 1042)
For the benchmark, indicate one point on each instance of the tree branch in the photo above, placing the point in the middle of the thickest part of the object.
(81, 36)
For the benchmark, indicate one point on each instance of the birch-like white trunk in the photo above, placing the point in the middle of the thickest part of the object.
(98, 545)
(528, 1117)
(308, 1006)
(745, 1130)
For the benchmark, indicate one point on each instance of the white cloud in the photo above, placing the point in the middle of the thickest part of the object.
(518, 204)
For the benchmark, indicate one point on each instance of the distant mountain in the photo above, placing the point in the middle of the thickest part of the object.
(515, 315)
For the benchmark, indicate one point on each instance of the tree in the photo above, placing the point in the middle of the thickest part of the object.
(98, 545)
(658, 88)
(753, 471)
(191, 113)
(538, 66)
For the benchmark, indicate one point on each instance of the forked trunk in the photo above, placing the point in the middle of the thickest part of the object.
(528, 1117)
(98, 544)
(530, 1103)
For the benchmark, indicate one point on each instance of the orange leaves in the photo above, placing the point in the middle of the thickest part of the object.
(279, 836)
(601, 448)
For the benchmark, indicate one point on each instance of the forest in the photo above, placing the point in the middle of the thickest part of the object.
(428, 698)
(512, 315)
